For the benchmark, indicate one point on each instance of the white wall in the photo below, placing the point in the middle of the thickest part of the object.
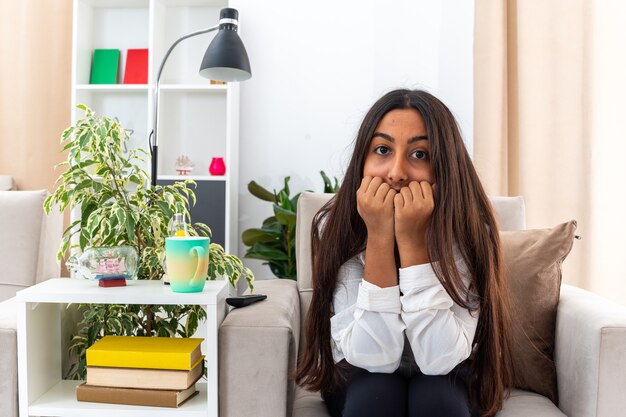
(317, 67)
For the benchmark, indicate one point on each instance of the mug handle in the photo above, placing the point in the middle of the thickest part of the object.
(201, 269)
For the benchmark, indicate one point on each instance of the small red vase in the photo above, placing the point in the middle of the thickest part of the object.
(217, 166)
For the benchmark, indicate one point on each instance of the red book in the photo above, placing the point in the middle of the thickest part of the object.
(136, 67)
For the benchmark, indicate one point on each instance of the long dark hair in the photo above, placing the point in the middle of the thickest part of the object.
(462, 216)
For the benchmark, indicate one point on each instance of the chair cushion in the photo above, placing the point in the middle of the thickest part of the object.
(8, 314)
(8, 370)
(308, 205)
(524, 404)
(309, 404)
(6, 183)
(510, 212)
(533, 261)
(21, 220)
(519, 404)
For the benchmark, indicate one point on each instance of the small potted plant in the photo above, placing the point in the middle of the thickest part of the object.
(118, 206)
(275, 241)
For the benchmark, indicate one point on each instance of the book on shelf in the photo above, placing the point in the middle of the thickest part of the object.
(145, 378)
(104, 66)
(134, 396)
(145, 352)
(136, 71)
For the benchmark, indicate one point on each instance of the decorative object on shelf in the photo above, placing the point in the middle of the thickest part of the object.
(177, 226)
(217, 167)
(225, 59)
(105, 263)
(117, 282)
(187, 259)
(183, 165)
(97, 181)
(136, 71)
(275, 241)
(215, 82)
(104, 66)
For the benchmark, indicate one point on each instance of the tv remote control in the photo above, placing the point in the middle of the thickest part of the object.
(245, 300)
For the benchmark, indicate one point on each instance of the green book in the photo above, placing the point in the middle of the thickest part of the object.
(104, 66)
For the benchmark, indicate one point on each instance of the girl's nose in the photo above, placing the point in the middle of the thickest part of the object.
(397, 172)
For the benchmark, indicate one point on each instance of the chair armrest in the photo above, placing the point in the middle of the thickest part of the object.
(590, 348)
(258, 348)
(8, 359)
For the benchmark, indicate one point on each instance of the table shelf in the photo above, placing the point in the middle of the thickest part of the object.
(60, 400)
(66, 290)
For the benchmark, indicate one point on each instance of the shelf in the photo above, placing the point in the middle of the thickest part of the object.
(110, 88)
(60, 400)
(194, 3)
(196, 118)
(193, 177)
(71, 290)
(117, 3)
(214, 88)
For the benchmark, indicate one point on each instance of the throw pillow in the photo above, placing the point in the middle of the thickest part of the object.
(533, 261)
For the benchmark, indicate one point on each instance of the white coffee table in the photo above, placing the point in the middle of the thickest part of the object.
(41, 310)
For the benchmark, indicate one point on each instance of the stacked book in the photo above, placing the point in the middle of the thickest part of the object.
(153, 371)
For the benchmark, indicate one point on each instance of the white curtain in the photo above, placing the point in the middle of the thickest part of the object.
(550, 105)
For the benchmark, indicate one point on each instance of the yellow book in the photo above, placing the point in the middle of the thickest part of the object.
(145, 352)
(169, 379)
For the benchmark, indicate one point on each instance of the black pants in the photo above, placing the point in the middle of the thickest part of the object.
(394, 395)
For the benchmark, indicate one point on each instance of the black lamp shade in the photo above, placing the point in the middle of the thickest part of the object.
(226, 58)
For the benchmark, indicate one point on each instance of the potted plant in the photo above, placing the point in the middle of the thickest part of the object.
(275, 241)
(118, 206)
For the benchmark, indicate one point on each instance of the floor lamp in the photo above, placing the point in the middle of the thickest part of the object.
(224, 60)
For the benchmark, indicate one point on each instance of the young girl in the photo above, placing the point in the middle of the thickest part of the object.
(409, 314)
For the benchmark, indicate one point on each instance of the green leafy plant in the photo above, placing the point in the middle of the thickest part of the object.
(98, 181)
(275, 241)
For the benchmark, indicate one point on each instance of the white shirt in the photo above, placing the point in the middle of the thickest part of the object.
(370, 323)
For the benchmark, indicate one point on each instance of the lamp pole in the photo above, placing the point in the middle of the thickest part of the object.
(155, 137)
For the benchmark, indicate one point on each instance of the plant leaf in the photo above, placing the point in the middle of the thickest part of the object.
(252, 236)
(286, 186)
(260, 192)
(165, 208)
(264, 252)
(286, 217)
(130, 228)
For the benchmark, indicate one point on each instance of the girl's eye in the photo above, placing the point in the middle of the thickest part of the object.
(420, 154)
(382, 150)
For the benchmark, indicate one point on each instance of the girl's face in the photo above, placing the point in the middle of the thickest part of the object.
(399, 151)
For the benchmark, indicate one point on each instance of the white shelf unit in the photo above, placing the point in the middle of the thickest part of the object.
(41, 310)
(196, 118)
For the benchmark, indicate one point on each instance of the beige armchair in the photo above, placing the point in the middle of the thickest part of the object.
(28, 247)
(259, 344)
